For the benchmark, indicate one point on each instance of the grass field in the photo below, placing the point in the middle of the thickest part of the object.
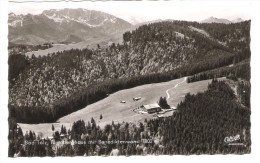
(112, 110)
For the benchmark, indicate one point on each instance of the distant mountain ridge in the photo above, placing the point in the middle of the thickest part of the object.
(65, 25)
(237, 20)
(223, 21)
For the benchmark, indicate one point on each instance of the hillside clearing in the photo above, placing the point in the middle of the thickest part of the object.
(112, 110)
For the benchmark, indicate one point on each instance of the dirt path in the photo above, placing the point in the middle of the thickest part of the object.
(167, 91)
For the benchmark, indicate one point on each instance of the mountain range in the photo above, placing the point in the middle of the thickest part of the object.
(74, 26)
(66, 25)
(223, 21)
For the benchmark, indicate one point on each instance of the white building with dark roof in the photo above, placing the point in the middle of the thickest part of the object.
(152, 108)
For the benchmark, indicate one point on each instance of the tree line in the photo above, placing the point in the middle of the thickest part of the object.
(234, 71)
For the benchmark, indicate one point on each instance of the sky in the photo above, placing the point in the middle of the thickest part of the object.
(140, 11)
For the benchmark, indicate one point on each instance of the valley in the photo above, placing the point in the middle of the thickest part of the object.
(90, 43)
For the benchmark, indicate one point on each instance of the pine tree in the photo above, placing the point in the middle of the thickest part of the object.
(52, 127)
(163, 102)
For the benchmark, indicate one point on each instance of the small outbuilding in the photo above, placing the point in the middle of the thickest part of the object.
(136, 98)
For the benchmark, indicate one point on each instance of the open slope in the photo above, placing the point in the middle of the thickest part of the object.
(112, 110)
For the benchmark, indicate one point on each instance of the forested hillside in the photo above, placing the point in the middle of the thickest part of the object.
(203, 121)
(236, 36)
(234, 71)
(48, 87)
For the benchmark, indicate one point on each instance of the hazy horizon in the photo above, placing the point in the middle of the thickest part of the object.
(141, 11)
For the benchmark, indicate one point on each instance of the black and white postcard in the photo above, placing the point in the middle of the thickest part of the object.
(129, 78)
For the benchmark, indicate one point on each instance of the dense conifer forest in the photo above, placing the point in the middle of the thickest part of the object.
(234, 71)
